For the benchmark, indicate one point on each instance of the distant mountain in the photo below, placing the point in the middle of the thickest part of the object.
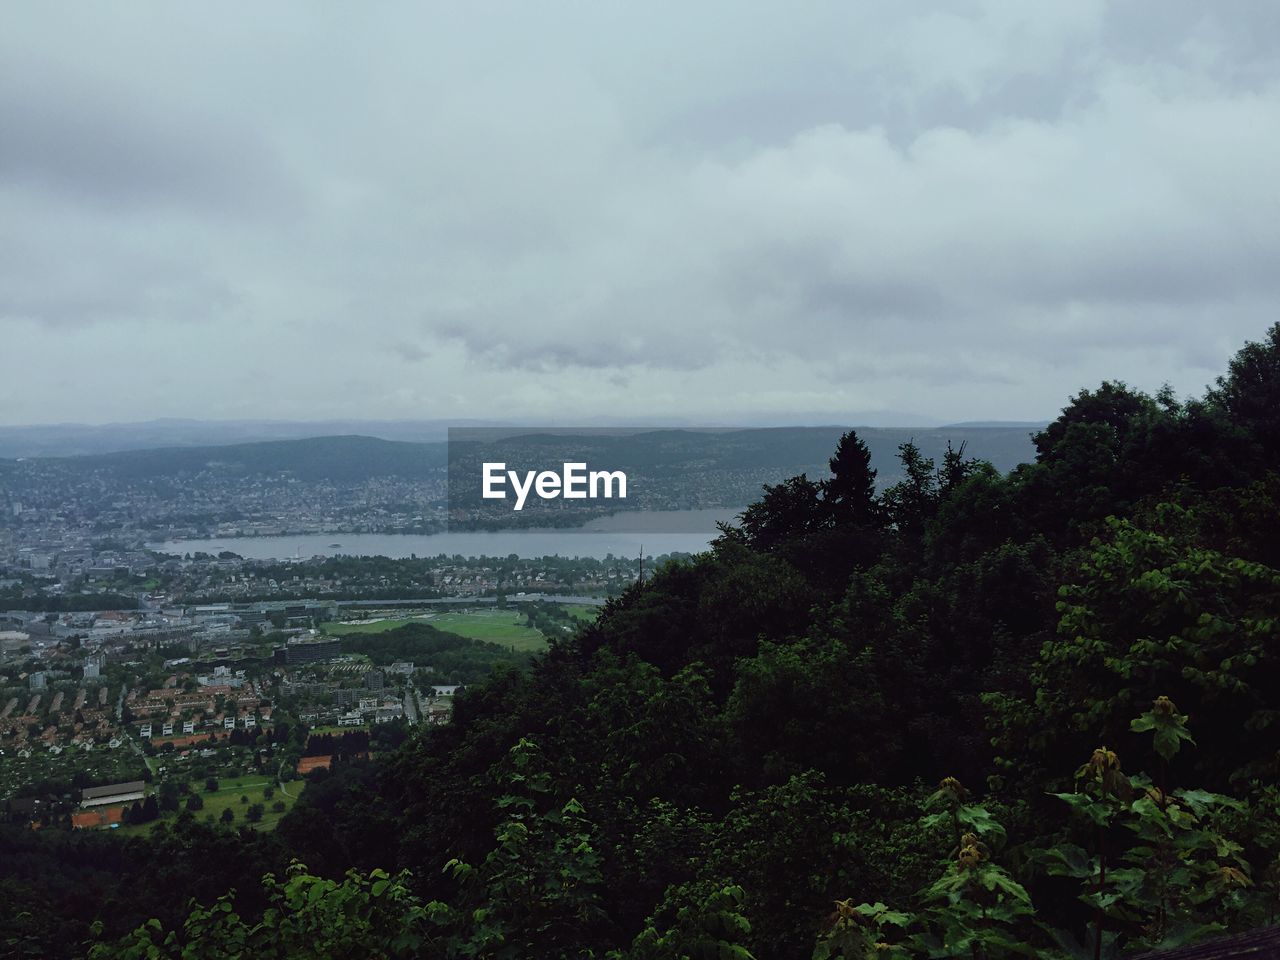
(316, 458)
(788, 450)
(78, 439)
(70, 439)
(781, 451)
(1032, 426)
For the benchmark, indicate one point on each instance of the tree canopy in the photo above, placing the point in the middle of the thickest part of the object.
(969, 714)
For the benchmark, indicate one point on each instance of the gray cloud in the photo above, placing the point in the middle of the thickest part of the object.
(970, 210)
(88, 141)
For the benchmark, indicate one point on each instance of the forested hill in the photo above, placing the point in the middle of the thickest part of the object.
(970, 713)
(314, 458)
(790, 450)
(778, 450)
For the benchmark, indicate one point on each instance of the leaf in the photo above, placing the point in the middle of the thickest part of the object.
(1201, 801)
(1099, 814)
(1068, 860)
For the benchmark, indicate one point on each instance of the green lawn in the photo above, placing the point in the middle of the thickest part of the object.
(228, 796)
(496, 626)
(229, 793)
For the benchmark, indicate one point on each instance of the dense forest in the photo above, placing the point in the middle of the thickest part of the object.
(966, 714)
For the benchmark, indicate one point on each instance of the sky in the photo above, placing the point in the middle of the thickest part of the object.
(817, 211)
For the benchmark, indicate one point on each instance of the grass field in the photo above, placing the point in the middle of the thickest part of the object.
(496, 626)
(230, 792)
(228, 796)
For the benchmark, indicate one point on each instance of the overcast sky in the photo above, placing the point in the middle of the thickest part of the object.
(709, 210)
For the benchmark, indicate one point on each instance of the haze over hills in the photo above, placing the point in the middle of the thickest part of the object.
(74, 439)
(77, 439)
(369, 484)
(359, 457)
(339, 458)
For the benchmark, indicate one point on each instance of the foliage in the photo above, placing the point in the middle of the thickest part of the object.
(729, 760)
(306, 918)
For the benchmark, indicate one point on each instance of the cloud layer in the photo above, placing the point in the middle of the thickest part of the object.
(564, 210)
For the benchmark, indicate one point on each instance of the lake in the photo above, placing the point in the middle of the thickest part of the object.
(622, 535)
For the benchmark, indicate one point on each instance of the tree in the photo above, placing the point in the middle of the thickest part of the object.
(169, 796)
(1150, 611)
(362, 915)
(852, 488)
(227, 815)
(1250, 393)
(786, 512)
(254, 813)
(911, 501)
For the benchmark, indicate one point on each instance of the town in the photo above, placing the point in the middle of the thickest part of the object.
(67, 573)
(139, 685)
(115, 719)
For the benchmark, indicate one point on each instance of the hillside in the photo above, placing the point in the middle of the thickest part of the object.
(670, 451)
(314, 458)
(973, 713)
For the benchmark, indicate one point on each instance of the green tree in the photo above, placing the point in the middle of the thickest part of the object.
(306, 918)
(851, 490)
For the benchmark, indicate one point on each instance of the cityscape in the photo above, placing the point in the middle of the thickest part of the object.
(665, 481)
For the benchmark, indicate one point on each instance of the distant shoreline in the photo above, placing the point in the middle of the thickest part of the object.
(693, 531)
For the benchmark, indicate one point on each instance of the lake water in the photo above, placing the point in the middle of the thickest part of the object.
(622, 535)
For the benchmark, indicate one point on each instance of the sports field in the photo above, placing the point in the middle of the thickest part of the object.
(497, 626)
